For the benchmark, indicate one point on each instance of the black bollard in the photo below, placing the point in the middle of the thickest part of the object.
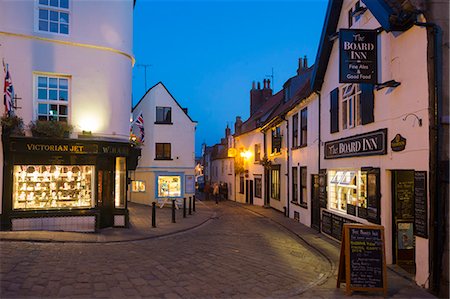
(190, 205)
(153, 214)
(184, 207)
(217, 199)
(193, 203)
(173, 211)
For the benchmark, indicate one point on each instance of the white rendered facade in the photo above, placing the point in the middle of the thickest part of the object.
(179, 162)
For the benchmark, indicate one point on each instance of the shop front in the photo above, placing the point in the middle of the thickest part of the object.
(64, 184)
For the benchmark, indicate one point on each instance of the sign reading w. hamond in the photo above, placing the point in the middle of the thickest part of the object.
(367, 144)
(357, 56)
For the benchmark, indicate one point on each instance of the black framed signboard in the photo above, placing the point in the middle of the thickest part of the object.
(357, 56)
(420, 204)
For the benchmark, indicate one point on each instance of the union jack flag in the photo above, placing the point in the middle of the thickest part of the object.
(8, 92)
(140, 124)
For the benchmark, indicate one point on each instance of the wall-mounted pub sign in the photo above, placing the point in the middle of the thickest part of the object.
(367, 144)
(357, 56)
(398, 143)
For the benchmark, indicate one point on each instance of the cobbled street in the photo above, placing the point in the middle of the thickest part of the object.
(237, 254)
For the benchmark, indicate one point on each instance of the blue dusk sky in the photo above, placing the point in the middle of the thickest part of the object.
(207, 53)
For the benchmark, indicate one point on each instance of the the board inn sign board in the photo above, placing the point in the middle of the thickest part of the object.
(357, 56)
(367, 144)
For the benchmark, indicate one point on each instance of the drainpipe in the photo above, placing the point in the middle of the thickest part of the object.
(287, 166)
(320, 139)
(265, 171)
(437, 206)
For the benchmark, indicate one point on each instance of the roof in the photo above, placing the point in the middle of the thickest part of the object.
(162, 84)
(398, 15)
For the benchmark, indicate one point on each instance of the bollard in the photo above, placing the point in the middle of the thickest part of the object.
(193, 203)
(153, 214)
(217, 199)
(173, 211)
(190, 205)
(184, 207)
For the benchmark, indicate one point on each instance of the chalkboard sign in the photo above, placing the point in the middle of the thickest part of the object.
(351, 209)
(362, 264)
(336, 226)
(420, 204)
(326, 222)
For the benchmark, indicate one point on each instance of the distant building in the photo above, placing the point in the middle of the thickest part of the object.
(166, 169)
(68, 64)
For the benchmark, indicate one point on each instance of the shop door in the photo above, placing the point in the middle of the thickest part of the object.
(266, 187)
(247, 191)
(315, 202)
(106, 197)
(251, 192)
(403, 236)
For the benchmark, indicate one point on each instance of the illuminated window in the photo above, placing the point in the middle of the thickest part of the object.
(275, 182)
(347, 187)
(48, 187)
(53, 16)
(169, 186)
(52, 97)
(137, 186)
(121, 180)
(257, 152)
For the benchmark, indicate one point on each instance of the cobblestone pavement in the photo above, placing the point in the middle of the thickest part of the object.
(239, 254)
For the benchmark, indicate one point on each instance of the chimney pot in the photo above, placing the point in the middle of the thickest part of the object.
(253, 85)
(268, 83)
(305, 62)
(259, 85)
(265, 83)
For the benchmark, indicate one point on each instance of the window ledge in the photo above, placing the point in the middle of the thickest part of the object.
(164, 159)
(305, 206)
(163, 123)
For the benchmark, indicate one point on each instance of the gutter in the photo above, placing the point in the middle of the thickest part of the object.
(437, 207)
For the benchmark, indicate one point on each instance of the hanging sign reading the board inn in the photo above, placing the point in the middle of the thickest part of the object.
(357, 56)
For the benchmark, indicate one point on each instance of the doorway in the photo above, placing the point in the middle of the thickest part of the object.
(105, 193)
(249, 192)
(403, 219)
(315, 202)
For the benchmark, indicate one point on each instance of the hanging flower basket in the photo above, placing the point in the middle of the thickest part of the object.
(12, 125)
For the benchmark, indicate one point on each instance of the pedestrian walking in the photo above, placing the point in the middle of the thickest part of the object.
(216, 192)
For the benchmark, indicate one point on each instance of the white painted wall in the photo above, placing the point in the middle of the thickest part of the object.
(404, 59)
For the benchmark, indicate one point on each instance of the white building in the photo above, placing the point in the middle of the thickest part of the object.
(68, 63)
(166, 169)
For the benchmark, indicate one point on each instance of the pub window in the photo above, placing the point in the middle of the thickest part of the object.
(257, 152)
(295, 130)
(163, 151)
(276, 140)
(347, 191)
(137, 186)
(304, 127)
(169, 185)
(163, 115)
(52, 97)
(120, 182)
(241, 184)
(258, 187)
(294, 184)
(351, 106)
(303, 191)
(275, 183)
(53, 16)
(50, 187)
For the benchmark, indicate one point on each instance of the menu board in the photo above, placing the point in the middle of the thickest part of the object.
(363, 261)
(420, 204)
(326, 222)
(351, 209)
(405, 196)
(336, 224)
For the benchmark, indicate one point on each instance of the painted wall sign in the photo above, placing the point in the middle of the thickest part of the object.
(357, 56)
(367, 144)
(398, 143)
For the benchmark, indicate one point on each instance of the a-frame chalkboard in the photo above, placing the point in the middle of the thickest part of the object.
(362, 262)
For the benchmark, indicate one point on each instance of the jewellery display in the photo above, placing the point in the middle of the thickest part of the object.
(53, 186)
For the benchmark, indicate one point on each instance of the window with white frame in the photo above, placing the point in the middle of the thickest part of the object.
(52, 97)
(53, 16)
(351, 105)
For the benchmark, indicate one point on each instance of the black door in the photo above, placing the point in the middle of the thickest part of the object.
(251, 191)
(106, 193)
(247, 191)
(315, 202)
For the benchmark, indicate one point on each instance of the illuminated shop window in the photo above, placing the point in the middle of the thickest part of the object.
(121, 180)
(46, 187)
(138, 186)
(169, 186)
(347, 187)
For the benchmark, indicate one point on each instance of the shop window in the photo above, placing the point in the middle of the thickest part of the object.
(163, 151)
(304, 127)
(257, 152)
(347, 191)
(275, 182)
(295, 184)
(303, 189)
(276, 140)
(169, 186)
(52, 98)
(163, 115)
(258, 187)
(295, 130)
(241, 184)
(351, 105)
(137, 186)
(120, 182)
(48, 187)
(53, 16)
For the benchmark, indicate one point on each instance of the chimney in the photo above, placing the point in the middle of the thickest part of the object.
(305, 62)
(253, 85)
(259, 85)
(268, 83)
(227, 132)
(300, 66)
(238, 125)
